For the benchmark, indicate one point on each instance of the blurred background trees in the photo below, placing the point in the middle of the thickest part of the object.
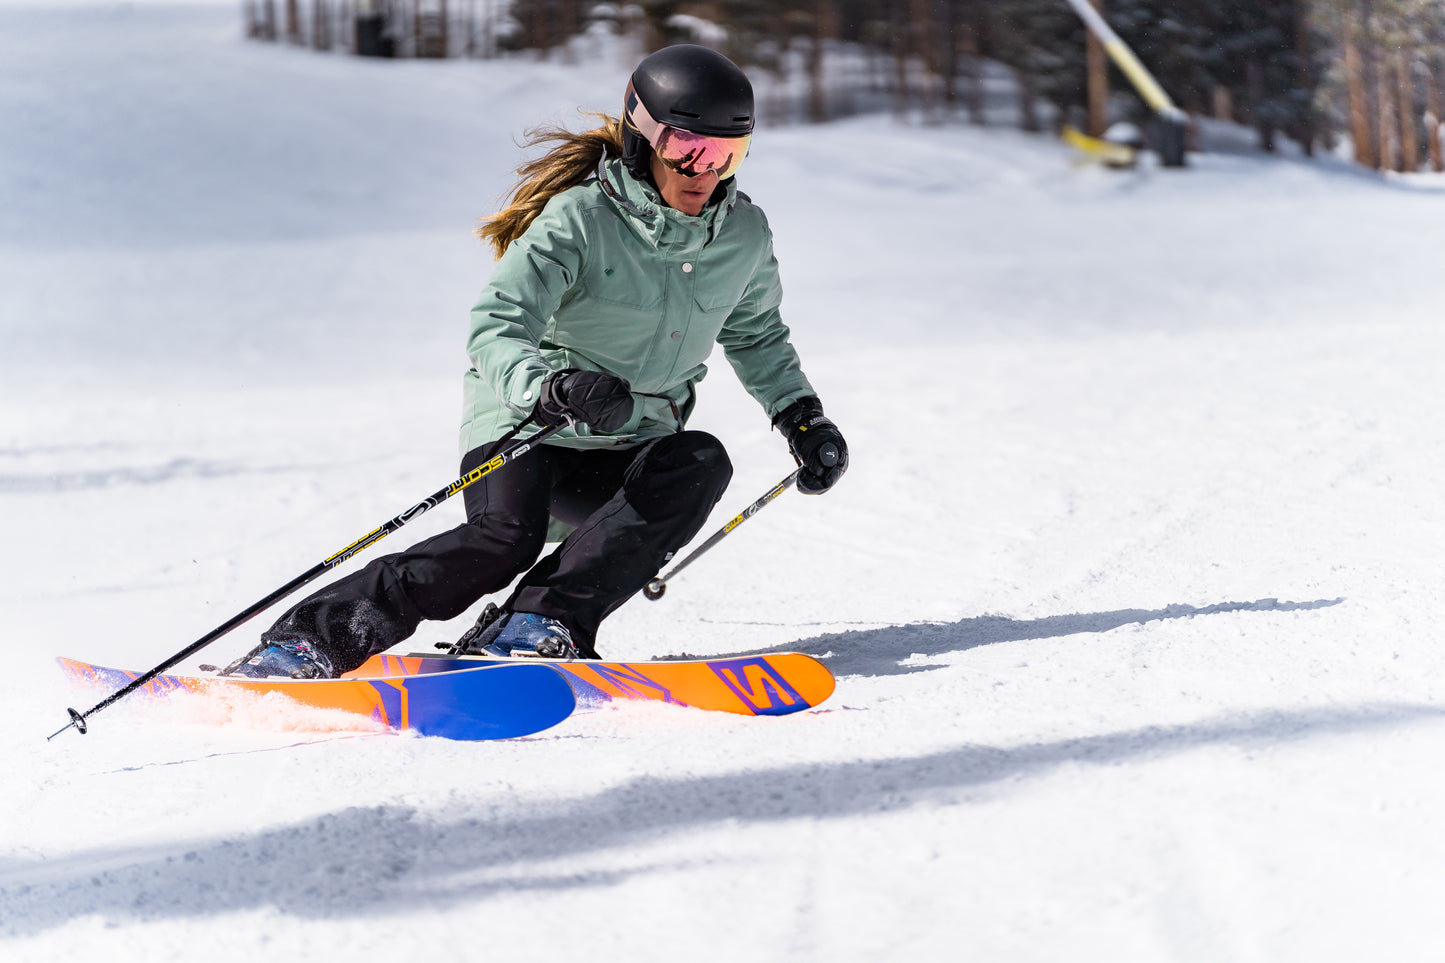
(1364, 76)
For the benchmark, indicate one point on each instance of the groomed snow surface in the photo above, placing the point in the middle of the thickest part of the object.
(1133, 589)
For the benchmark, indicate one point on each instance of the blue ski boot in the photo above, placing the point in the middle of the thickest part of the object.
(294, 659)
(528, 635)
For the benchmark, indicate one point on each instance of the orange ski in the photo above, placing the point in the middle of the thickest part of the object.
(755, 685)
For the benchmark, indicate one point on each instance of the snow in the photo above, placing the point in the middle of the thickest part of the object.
(1133, 589)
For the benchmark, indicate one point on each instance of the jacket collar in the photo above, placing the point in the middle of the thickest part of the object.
(641, 206)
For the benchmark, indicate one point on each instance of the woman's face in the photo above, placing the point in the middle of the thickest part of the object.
(686, 194)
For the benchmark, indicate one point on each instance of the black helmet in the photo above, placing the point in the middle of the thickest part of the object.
(689, 88)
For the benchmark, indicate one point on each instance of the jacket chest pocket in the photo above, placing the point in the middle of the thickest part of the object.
(719, 289)
(621, 277)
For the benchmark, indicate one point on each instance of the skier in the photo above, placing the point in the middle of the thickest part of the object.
(624, 254)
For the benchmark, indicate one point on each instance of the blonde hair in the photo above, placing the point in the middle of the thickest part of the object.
(574, 158)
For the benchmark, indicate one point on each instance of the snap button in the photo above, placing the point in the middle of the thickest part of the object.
(687, 269)
(527, 396)
(677, 335)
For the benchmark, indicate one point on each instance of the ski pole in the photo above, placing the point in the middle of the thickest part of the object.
(654, 589)
(78, 719)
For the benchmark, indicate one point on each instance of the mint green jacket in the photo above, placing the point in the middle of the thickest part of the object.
(607, 278)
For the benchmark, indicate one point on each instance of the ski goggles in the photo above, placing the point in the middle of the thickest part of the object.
(685, 152)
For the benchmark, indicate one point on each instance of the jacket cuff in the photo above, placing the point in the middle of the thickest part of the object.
(525, 389)
(806, 407)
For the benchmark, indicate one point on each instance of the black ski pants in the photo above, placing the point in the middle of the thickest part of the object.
(631, 507)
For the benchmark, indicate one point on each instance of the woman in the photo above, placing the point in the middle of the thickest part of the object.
(625, 254)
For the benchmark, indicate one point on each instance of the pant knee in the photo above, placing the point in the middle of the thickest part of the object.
(690, 467)
(712, 457)
(511, 544)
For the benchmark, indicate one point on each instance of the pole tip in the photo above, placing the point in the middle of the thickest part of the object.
(77, 722)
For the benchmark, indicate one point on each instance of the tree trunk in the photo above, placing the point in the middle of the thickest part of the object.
(1360, 129)
(1254, 84)
(968, 49)
(1028, 100)
(947, 44)
(293, 21)
(565, 24)
(1098, 71)
(1305, 132)
(824, 29)
(1389, 138)
(321, 24)
(1223, 104)
(921, 44)
(1409, 145)
(899, 30)
(1434, 119)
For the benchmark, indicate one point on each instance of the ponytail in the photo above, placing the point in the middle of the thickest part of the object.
(574, 158)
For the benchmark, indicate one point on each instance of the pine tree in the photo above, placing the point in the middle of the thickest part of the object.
(1043, 41)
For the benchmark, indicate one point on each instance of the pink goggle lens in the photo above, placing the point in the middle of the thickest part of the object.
(695, 154)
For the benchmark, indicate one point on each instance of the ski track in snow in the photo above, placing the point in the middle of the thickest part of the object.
(1132, 589)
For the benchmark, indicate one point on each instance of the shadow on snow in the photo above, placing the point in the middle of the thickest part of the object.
(364, 861)
(879, 652)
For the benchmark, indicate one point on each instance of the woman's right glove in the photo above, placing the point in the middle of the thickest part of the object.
(815, 442)
(601, 401)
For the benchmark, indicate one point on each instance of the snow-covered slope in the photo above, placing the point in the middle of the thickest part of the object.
(1132, 589)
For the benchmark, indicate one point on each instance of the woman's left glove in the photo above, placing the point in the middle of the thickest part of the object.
(815, 442)
(601, 401)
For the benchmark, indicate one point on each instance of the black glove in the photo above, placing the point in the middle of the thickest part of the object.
(816, 443)
(602, 402)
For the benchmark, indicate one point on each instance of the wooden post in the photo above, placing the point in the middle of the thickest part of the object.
(1098, 73)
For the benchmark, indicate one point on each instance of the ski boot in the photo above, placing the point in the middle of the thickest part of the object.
(293, 659)
(525, 635)
(486, 626)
